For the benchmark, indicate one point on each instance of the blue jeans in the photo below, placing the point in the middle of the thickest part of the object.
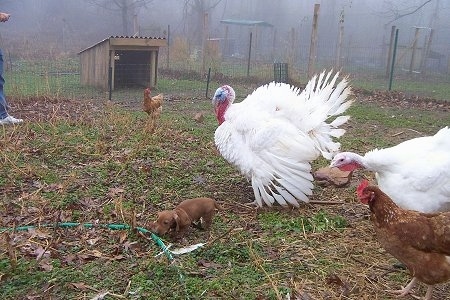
(3, 105)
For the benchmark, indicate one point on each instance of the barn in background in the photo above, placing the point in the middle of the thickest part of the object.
(121, 62)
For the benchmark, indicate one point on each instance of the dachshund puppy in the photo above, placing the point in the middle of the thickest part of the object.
(187, 212)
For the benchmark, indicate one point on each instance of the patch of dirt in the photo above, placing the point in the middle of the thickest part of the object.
(39, 109)
(400, 100)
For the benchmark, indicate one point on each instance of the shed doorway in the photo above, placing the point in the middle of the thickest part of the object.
(132, 68)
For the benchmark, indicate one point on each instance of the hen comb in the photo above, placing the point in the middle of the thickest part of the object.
(147, 91)
(359, 190)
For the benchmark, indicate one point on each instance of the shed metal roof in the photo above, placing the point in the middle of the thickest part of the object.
(123, 37)
(246, 22)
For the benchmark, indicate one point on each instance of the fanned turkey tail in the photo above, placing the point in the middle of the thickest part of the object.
(326, 100)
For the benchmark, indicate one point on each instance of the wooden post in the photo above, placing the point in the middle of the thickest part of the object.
(427, 51)
(255, 43)
(226, 44)
(391, 46)
(204, 37)
(291, 59)
(274, 43)
(414, 46)
(340, 38)
(313, 45)
(136, 26)
(208, 79)
(168, 47)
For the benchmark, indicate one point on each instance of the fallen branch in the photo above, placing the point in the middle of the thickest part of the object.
(223, 235)
(325, 202)
(369, 265)
(397, 134)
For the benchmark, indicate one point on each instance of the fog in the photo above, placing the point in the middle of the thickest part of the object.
(52, 28)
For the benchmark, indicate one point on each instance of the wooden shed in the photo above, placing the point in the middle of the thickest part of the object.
(123, 61)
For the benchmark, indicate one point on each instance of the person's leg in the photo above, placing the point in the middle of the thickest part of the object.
(5, 118)
(3, 106)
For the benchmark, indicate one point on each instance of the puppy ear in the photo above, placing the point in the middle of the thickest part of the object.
(177, 221)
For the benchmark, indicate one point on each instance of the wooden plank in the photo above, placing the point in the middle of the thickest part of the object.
(138, 42)
(136, 48)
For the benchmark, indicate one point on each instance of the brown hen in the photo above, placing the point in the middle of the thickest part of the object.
(152, 106)
(421, 241)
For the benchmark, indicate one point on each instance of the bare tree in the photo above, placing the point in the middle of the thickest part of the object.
(194, 13)
(127, 9)
(396, 10)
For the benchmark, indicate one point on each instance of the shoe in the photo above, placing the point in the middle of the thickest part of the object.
(10, 120)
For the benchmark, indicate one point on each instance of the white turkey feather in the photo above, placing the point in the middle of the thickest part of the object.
(415, 174)
(277, 130)
(339, 121)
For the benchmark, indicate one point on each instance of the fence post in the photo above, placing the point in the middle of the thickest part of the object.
(391, 45)
(204, 40)
(393, 59)
(168, 47)
(110, 75)
(427, 51)
(207, 82)
(340, 37)
(249, 55)
(414, 47)
(313, 45)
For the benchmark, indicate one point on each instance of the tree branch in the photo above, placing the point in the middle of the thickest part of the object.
(410, 13)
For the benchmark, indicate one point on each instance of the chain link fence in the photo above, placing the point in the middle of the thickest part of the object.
(367, 67)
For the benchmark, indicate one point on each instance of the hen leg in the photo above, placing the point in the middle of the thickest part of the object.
(407, 289)
(429, 293)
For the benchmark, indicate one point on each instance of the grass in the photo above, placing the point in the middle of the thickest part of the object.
(80, 163)
(435, 87)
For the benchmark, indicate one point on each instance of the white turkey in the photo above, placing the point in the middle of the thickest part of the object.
(276, 131)
(415, 174)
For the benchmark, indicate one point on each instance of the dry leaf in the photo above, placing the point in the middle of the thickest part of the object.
(334, 279)
(92, 241)
(53, 187)
(69, 258)
(45, 265)
(100, 296)
(207, 264)
(123, 236)
(81, 286)
(199, 118)
(115, 191)
(38, 233)
(326, 176)
(40, 252)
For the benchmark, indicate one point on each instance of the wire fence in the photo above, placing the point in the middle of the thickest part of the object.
(367, 68)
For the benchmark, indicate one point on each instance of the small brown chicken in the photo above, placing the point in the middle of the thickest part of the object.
(421, 241)
(152, 106)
